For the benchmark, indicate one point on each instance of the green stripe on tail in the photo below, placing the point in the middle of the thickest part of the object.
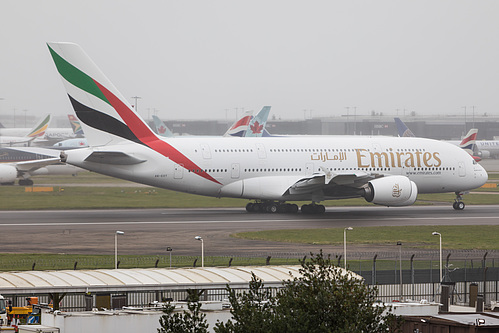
(76, 77)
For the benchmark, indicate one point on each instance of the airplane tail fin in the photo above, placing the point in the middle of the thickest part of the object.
(240, 126)
(256, 126)
(40, 128)
(75, 125)
(160, 128)
(469, 142)
(105, 115)
(402, 128)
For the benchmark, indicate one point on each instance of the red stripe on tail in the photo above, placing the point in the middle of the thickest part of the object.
(147, 137)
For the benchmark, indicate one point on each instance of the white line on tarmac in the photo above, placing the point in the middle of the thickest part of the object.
(241, 221)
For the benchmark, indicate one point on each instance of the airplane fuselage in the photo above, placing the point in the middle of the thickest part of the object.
(227, 167)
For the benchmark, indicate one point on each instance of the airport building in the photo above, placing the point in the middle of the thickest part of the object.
(440, 127)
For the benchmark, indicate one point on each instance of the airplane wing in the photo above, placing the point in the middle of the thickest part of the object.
(328, 181)
(30, 166)
(13, 140)
(321, 184)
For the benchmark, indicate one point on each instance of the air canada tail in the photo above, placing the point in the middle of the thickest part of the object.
(160, 128)
(106, 117)
(256, 127)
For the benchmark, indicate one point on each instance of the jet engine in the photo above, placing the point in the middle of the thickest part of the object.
(391, 191)
(484, 154)
(8, 174)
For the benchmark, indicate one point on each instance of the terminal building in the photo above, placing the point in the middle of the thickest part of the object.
(440, 127)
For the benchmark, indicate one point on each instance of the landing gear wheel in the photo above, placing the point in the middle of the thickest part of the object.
(313, 209)
(458, 204)
(293, 209)
(25, 182)
(250, 207)
(273, 208)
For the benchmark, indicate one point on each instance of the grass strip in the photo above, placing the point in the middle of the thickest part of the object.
(477, 237)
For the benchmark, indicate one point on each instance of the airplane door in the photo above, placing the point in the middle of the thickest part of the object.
(235, 170)
(178, 171)
(260, 148)
(205, 149)
(462, 169)
(309, 168)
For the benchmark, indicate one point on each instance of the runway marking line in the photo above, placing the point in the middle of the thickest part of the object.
(240, 221)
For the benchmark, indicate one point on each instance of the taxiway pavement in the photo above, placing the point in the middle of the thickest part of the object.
(150, 231)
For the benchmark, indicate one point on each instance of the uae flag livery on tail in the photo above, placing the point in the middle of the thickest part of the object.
(101, 108)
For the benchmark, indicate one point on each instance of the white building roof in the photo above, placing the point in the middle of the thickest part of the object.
(141, 279)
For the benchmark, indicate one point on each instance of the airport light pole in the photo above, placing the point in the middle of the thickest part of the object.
(199, 238)
(345, 245)
(440, 235)
(116, 247)
(399, 244)
(169, 250)
(136, 105)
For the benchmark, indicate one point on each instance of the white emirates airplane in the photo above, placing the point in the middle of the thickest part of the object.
(384, 170)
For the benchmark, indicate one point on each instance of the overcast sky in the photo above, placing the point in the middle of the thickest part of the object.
(203, 59)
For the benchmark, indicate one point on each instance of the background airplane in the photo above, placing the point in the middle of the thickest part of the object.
(249, 126)
(22, 163)
(468, 143)
(11, 137)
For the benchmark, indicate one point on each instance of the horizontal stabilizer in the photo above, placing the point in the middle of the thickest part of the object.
(113, 157)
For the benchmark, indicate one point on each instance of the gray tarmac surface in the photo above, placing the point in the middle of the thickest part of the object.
(149, 231)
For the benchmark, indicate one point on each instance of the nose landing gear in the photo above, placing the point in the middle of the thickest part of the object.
(458, 203)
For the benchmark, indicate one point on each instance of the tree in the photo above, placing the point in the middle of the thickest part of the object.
(189, 321)
(323, 299)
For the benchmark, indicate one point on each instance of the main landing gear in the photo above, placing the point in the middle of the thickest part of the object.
(313, 209)
(458, 203)
(25, 182)
(280, 207)
(271, 207)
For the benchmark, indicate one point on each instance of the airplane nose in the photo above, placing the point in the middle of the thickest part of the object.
(481, 175)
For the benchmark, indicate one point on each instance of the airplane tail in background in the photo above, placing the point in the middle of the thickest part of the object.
(240, 126)
(160, 128)
(256, 127)
(106, 116)
(39, 130)
(75, 125)
(402, 129)
(469, 144)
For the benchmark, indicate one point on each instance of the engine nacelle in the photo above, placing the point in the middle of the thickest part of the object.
(391, 191)
(8, 174)
(484, 153)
